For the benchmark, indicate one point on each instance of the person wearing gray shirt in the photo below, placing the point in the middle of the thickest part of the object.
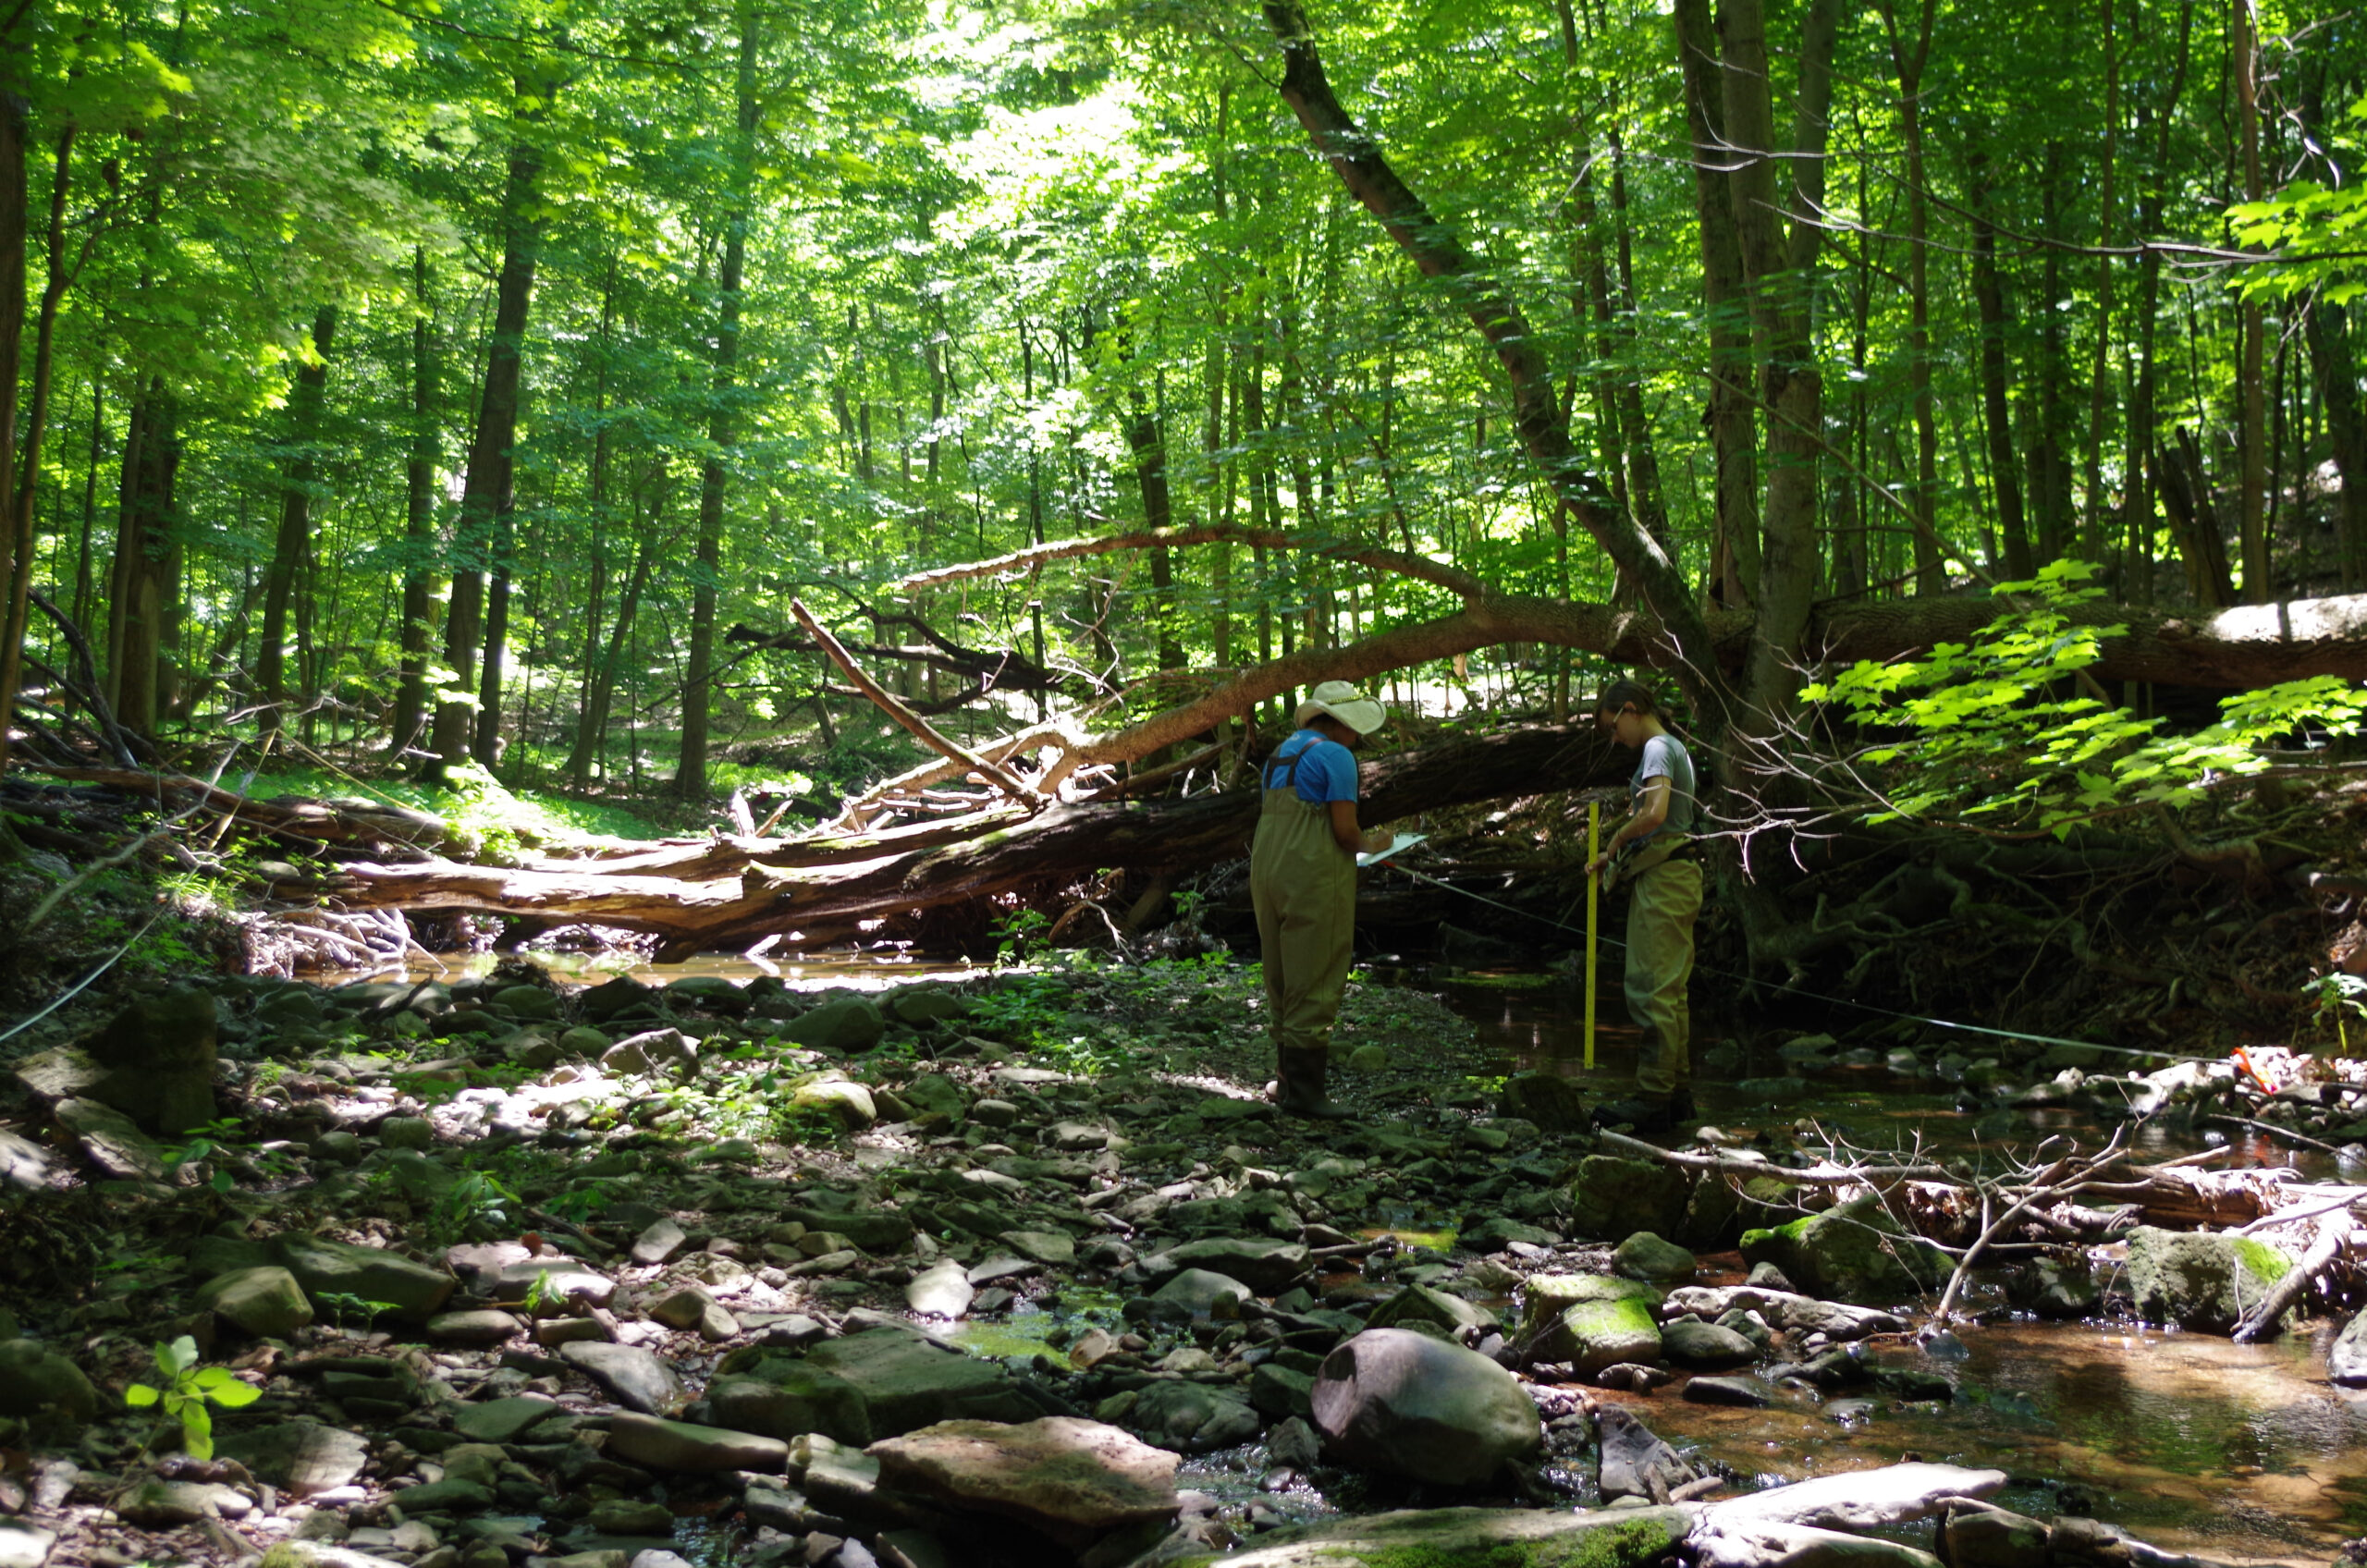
(1654, 848)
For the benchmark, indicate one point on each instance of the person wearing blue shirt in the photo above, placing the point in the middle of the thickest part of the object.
(1303, 883)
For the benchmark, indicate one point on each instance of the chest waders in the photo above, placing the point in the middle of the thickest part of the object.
(1304, 887)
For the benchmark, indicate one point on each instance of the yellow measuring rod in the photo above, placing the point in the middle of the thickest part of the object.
(1594, 887)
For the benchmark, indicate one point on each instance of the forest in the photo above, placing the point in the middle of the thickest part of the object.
(516, 398)
(636, 642)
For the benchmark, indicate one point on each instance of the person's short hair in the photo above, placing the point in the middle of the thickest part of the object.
(1628, 694)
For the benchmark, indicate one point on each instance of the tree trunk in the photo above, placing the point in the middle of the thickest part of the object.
(1733, 435)
(2185, 485)
(1779, 269)
(1644, 493)
(592, 730)
(2143, 437)
(1909, 58)
(145, 568)
(2092, 545)
(486, 495)
(20, 495)
(1147, 438)
(15, 219)
(295, 537)
(689, 771)
(1997, 419)
(419, 521)
(2049, 489)
(2252, 480)
(2337, 373)
(484, 740)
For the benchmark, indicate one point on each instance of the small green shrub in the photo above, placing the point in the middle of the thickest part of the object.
(187, 1390)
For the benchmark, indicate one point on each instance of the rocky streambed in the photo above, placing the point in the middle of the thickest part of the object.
(1016, 1269)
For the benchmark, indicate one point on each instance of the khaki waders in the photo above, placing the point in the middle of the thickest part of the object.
(1660, 964)
(1304, 886)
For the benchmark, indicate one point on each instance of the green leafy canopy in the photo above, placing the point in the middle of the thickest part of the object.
(1999, 729)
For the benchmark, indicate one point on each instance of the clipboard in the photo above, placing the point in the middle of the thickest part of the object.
(1403, 842)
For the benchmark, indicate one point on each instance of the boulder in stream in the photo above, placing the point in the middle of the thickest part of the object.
(1396, 1400)
(1855, 1251)
(1611, 1197)
(1076, 1481)
(1633, 1459)
(1590, 1320)
(2203, 1282)
(2347, 1358)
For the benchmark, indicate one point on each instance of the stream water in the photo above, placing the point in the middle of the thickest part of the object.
(2236, 1453)
(2241, 1454)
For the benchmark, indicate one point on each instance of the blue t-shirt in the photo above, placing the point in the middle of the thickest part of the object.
(1326, 770)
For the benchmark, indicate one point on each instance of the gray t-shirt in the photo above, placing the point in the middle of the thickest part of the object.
(1665, 756)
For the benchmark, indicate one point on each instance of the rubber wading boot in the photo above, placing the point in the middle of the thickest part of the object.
(1302, 1073)
(1641, 1118)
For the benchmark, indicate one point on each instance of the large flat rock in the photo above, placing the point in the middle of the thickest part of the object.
(906, 1381)
(1072, 1479)
(1621, 1537)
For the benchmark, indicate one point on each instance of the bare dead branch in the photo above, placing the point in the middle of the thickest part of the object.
(920, 728)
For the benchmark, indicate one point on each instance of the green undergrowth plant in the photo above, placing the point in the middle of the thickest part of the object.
(213, 1143)
(344, 1308)
(2000, 731)
(2338, 997)
(187, 1388)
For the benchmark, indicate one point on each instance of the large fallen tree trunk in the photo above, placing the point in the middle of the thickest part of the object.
(726, 894)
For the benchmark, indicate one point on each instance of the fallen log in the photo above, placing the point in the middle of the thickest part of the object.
(728, 893)
(327, 822)
(2268, 1313)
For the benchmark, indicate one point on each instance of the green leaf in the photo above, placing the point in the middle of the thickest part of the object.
(197, 1431)
(184, 1354)
(233, 1394)
(140, 1396)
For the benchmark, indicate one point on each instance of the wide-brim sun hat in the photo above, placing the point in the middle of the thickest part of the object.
(1344, 703)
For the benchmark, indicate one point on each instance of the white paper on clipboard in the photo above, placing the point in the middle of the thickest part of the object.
(1403, 842)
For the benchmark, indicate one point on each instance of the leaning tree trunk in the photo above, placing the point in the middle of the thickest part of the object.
(1355, 156)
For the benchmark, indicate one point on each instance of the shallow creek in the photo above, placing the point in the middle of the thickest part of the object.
(2236, 1453)
(2240, 1454)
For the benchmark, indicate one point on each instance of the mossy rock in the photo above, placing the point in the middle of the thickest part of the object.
(1611, 1197)
(2202, 1282)
(1855, 1253)
(1590, 1320)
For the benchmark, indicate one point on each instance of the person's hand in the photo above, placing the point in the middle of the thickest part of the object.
(1594, 866)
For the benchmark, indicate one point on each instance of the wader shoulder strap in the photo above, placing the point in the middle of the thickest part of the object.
(1290, 763)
